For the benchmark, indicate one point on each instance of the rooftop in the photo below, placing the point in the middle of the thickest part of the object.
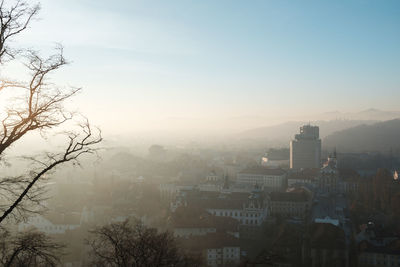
(326, 236)
(210, 241)
(262, 171)
(295, 196)
(305, 174)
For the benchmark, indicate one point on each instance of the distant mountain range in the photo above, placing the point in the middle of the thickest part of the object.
(368, 114)
(380, 136)
(330, 124)
(281, 134)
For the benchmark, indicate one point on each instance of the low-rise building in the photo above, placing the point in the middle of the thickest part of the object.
(292, 203)
(330, 209)
(213, 177)
(303, 177)
(329, 179)
(187, 222)
(324, 246)
(247, 208)
(350, 181)
(216, 249)
(171, 190)
(377, 248)
(379, 256)
(273, 179)
(250, 211)
(52, 223)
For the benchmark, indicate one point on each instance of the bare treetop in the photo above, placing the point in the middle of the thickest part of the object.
(14, 18)
(37, 106)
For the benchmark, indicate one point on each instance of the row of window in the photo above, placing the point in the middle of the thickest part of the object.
(49, 228)
(213, 256)
(381, 256)
(249, 222)
(235, 214)
(287, 210)
(381, 262)
(260, 180)
(276, 203)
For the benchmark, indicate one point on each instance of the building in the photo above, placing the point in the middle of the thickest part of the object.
(377, 248)
(249, 209)
(157, 153)
(382, 257)
(274, 179)
(329, 178)
(273, 162)
(330, 209)
(213, 177)
(186, 229)
(52, 223)
(293, 203)
(216, 249)
(325, 246)
(305, 149)
(169, 191)
(350, 181)
(379, 256)
(249, 212)
(212, 182)
(303, 177)
(187, 222)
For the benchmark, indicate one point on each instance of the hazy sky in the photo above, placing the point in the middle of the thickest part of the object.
(142, 61)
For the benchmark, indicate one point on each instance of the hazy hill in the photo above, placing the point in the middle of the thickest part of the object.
(368, 114)
(281, 134)
(380, 136)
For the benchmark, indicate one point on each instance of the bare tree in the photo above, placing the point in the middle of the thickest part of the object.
(14, 19)
(28, 249)
(125, 244)
(38, 106)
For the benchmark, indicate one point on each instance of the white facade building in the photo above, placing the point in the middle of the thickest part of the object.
(251, 212)
(246, 216)
(56, 224)
(193, 231)
(264, 177)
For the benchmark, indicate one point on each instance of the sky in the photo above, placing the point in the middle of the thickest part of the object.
(205, 65)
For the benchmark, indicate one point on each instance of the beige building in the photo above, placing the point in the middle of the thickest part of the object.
(305, 149)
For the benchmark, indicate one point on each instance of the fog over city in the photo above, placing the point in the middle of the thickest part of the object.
(199, 133)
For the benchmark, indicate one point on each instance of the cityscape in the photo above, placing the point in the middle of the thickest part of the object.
(287, 207)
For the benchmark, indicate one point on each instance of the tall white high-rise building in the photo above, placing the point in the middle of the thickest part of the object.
(305, 149)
